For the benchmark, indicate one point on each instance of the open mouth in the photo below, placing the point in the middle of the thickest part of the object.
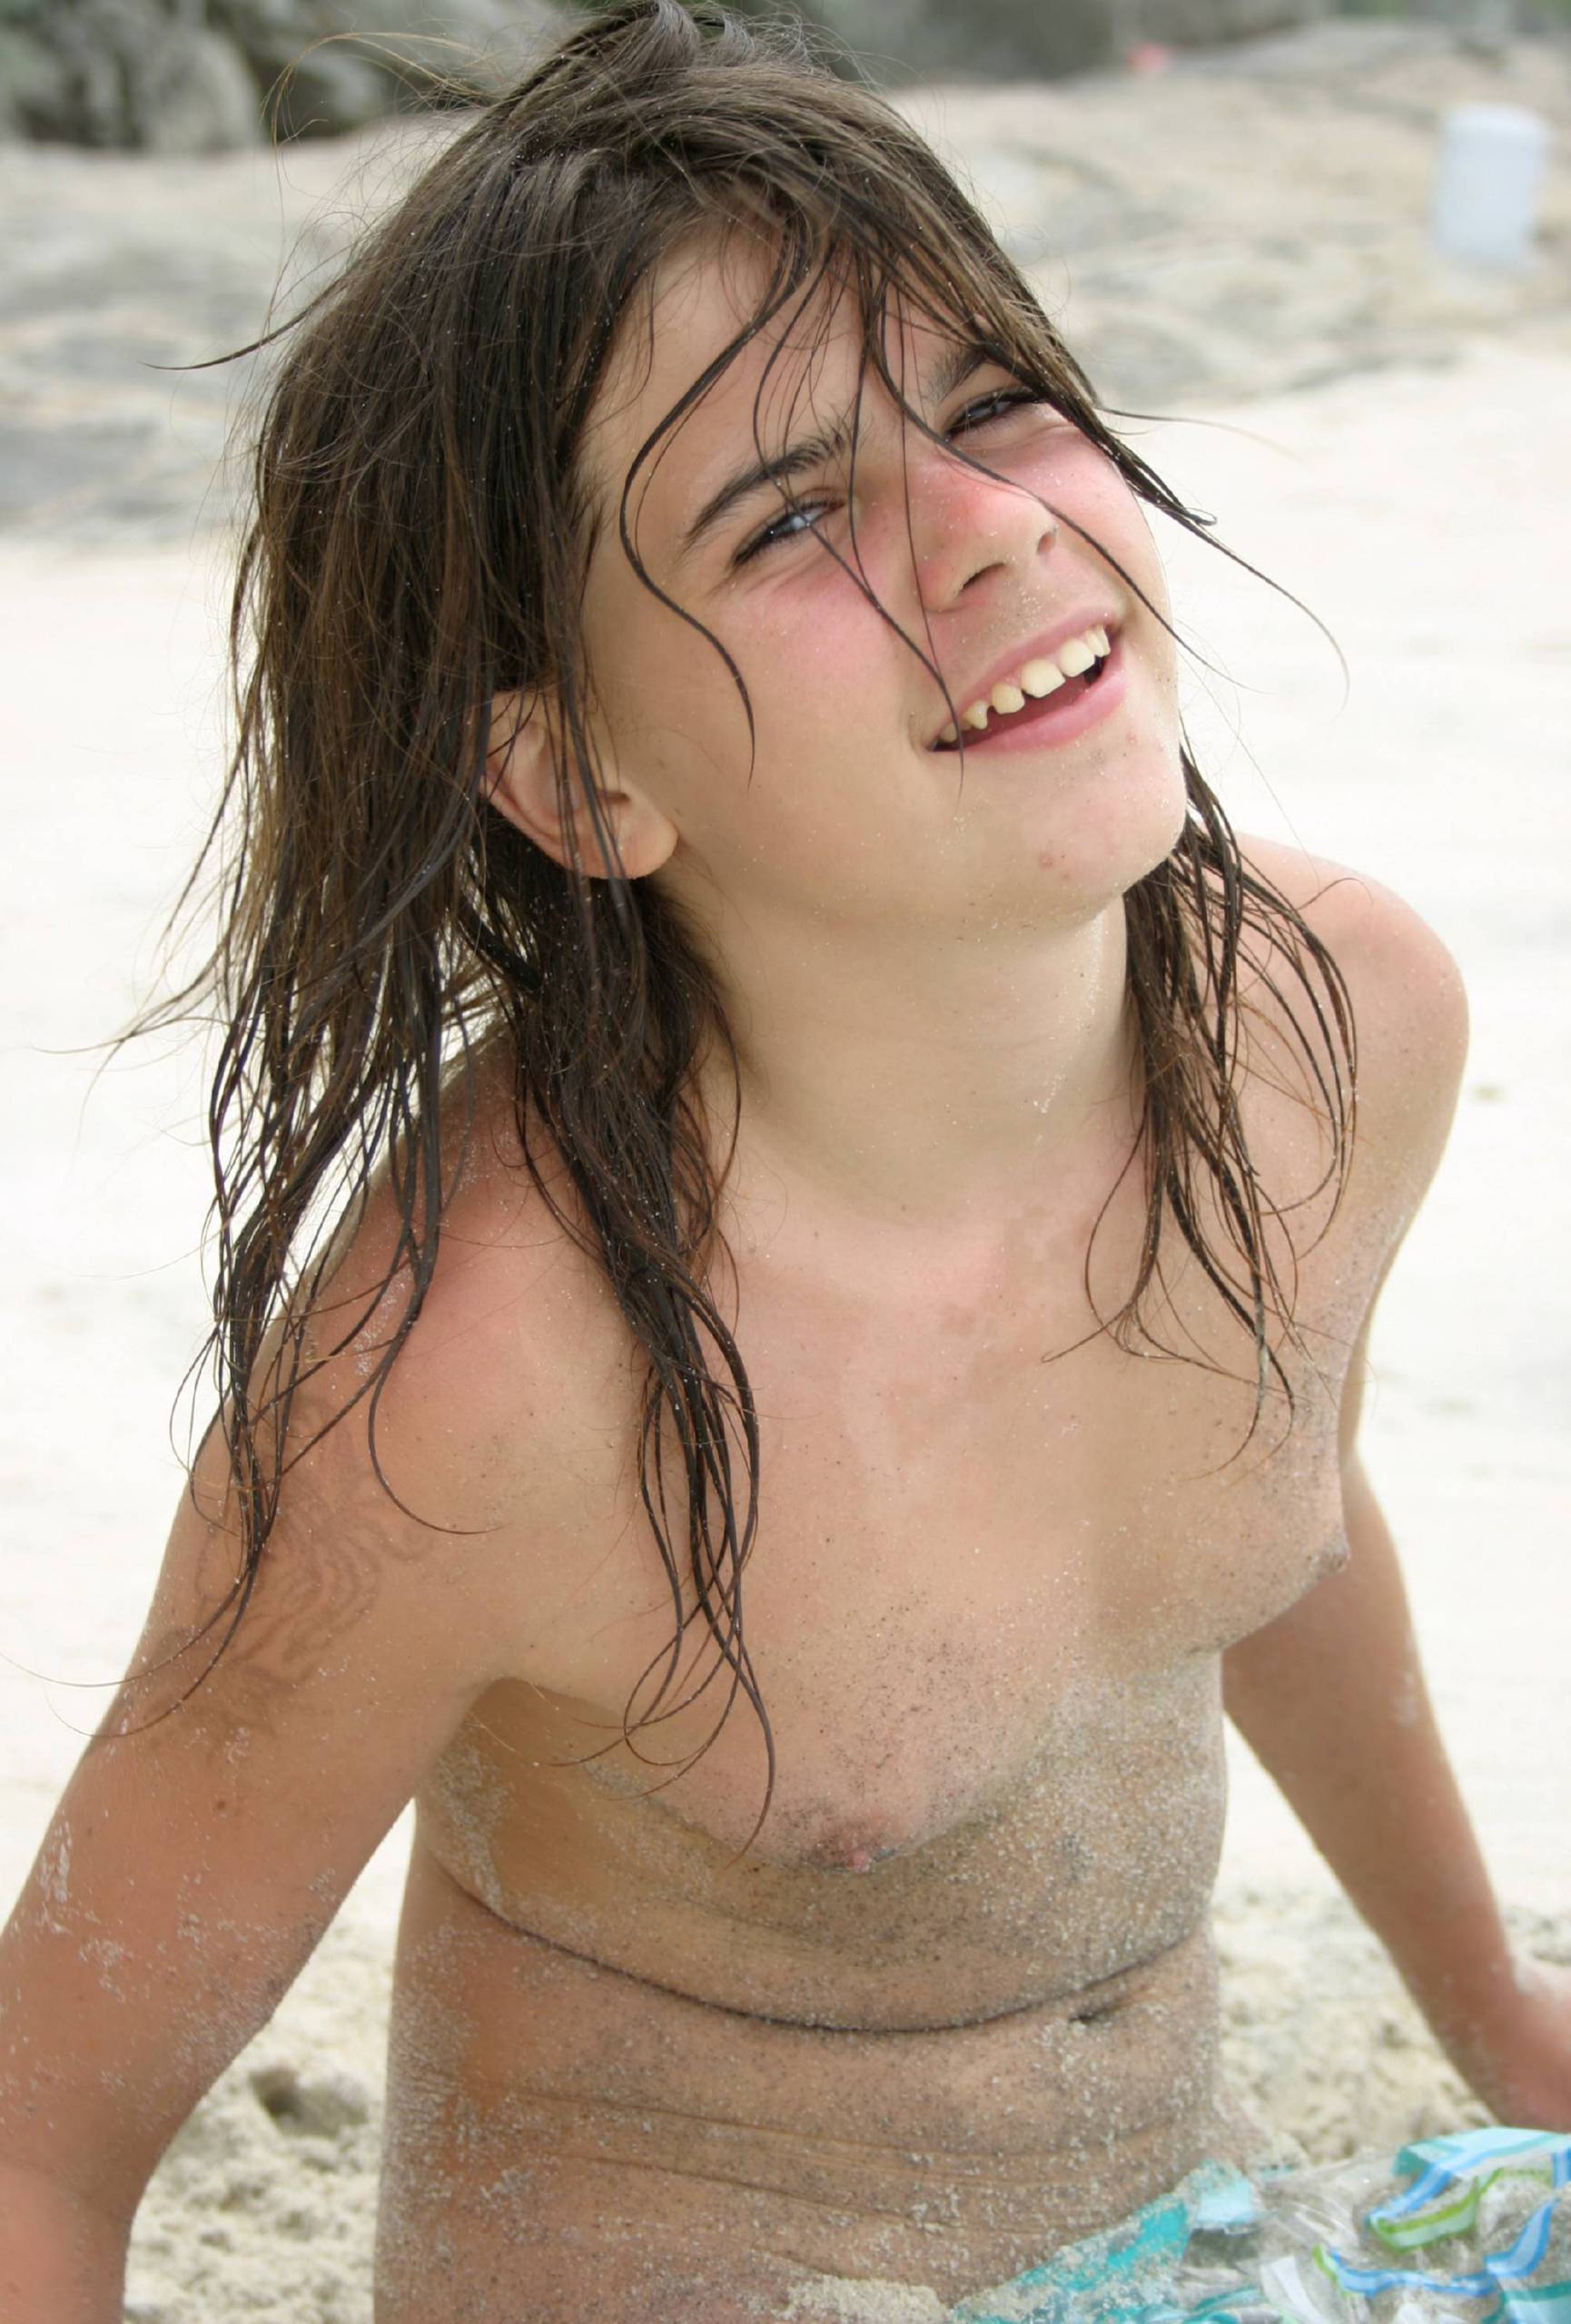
(1065, 707)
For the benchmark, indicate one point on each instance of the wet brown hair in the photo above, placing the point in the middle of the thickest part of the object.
(417, 544)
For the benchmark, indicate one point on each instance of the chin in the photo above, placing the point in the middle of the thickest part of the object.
(1164, 825)
(1115, 841)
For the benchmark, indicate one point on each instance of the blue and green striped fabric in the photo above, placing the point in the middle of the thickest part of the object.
(1471, 2229)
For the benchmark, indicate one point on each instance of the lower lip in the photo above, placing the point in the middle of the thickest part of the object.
(1048, 724)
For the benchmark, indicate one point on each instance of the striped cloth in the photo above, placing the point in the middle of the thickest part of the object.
(1472, 2228)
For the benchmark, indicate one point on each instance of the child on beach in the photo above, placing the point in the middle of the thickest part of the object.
(795, 1253)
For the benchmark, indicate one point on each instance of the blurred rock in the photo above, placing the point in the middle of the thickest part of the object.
(32, 79)
(199, 77)
(1250, 221)
(330, 65)
(992, 40)
(1207, 23)
(123, 73)
(986, 40)
(120, 73)
(203, 100)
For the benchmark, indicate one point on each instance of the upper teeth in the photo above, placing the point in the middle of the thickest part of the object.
(1036, 678)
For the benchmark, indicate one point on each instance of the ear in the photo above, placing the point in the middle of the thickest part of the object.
(521, 760)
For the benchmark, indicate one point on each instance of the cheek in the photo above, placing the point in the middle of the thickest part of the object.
(668, 706)
(1146, 568)
(1115, 520)
(823, 664)
(821, 669)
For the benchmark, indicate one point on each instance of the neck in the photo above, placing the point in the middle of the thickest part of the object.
(902, 1085)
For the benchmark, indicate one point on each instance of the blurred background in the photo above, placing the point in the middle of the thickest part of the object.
(184, 75)
(1221, 196)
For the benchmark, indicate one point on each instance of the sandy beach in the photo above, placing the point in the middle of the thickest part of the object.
(1384, 436)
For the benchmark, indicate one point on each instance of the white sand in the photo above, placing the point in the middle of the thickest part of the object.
(1422, 514)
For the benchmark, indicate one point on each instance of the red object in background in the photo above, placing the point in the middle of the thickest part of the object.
(1148, 56)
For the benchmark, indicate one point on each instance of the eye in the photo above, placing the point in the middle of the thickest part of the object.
(783, 528)
(803, 514)
(993, 406)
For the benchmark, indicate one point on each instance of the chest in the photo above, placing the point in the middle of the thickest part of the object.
(994, 1547)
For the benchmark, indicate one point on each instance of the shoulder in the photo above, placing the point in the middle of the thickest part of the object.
(1408, 1003)
(446, 1436)
(515, 1302)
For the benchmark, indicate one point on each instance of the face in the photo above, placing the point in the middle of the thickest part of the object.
(852, 815)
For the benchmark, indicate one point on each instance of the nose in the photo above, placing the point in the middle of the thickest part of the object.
(967, 528)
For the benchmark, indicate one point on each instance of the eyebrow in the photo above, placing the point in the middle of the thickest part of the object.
(960, 359)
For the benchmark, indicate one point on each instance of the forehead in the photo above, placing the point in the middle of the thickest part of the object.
(800, 366)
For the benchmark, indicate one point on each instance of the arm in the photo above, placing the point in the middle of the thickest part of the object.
(1330, 1696)
(191, 1866)
(61, 2262)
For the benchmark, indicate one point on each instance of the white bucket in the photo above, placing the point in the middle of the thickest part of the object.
(1491, 166)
